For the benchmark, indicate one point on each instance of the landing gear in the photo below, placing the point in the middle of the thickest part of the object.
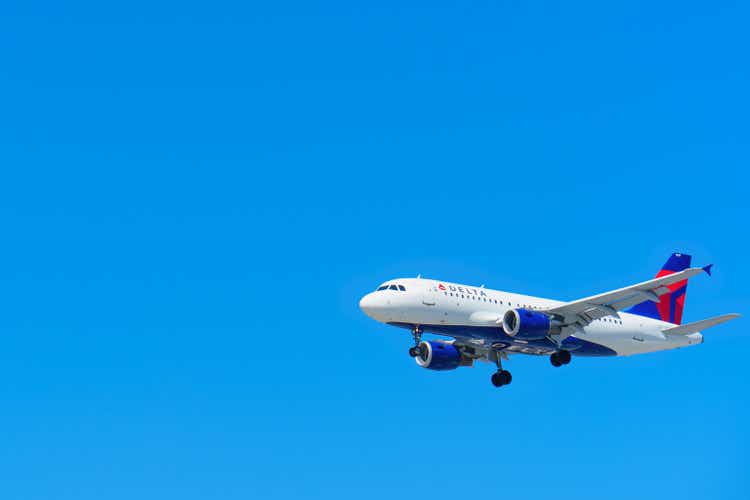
(500, 377)
(560, 358)
(415, 351)
(565, 357)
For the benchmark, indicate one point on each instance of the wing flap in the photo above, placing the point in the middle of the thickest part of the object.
(697, 326)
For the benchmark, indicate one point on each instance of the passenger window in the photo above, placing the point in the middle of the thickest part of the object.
(402, 288)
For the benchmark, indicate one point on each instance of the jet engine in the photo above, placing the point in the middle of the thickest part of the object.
(526, 324)
(436, 355)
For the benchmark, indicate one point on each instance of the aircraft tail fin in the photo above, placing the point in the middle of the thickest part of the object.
(670, 306)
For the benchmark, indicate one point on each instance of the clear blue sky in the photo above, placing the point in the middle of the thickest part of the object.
(195, 195)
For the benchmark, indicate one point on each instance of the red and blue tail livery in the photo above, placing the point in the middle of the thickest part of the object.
(670, 306)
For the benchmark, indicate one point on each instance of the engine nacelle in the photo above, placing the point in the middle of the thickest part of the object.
(526, 324)
(440, 356)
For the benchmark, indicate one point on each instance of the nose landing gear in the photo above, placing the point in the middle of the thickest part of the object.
(560, 358)
(415, 351)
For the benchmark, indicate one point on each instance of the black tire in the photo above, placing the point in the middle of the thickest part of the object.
(505, 377)
(497, 379)
(564, 357)
(413, 352)
(555, 360)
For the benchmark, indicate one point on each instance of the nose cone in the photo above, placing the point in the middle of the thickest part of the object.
(373, 305)
(367, 304)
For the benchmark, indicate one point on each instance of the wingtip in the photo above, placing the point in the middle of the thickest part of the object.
(708, 269)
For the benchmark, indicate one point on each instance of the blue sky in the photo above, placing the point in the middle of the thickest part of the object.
(194, 197)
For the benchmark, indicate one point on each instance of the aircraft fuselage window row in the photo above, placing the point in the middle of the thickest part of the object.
(500, 302)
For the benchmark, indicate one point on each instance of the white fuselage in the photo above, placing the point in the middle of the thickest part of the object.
(444, 305)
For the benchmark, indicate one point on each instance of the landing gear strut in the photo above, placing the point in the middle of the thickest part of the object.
(415, 351)
(501, 377)
(560, 358)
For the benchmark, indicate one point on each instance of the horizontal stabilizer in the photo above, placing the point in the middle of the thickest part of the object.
(697, 326)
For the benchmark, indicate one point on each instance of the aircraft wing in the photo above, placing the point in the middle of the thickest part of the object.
(584, 311)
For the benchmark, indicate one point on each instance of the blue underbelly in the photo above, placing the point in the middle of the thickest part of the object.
(497, 337)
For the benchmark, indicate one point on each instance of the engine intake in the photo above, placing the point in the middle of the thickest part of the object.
(440, 356)
(526, 324)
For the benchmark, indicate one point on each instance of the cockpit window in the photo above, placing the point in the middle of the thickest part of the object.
(391, 286)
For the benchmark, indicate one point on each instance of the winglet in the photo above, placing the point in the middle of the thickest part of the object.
(708, 269)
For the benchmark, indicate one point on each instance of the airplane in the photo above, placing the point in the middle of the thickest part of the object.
(491, 325)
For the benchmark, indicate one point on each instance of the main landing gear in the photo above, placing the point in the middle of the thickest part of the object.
(415, 351)
(560, 358)
(501, 377)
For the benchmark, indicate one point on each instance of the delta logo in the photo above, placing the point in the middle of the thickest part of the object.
(461, 289)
